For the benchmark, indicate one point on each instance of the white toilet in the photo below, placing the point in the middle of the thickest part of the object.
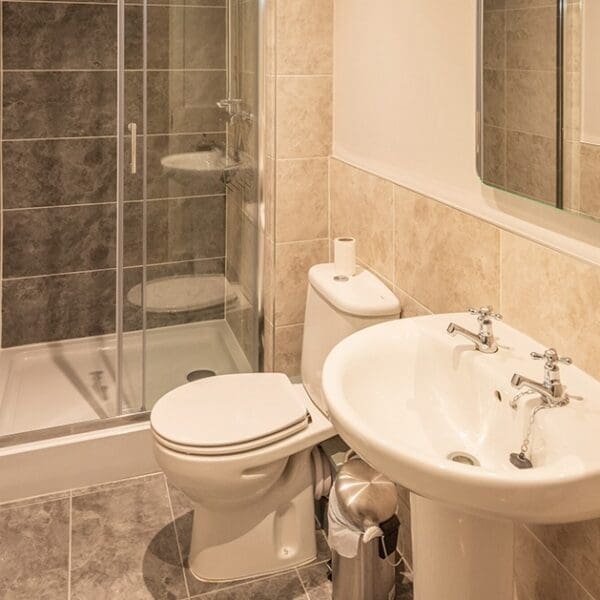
(239, 446)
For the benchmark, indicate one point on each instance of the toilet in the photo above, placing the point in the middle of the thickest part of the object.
(239, 446)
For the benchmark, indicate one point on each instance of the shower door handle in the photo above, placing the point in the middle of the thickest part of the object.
(133, 130)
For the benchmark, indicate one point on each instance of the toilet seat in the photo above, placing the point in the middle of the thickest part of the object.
(228, 414)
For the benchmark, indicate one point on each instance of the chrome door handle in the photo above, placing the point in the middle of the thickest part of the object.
(133, 130)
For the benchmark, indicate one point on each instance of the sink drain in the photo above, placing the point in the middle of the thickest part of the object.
(200, 374)
(463, 458)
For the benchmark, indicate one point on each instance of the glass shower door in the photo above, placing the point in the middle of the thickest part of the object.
(189, 212)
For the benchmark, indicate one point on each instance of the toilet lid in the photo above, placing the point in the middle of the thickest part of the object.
(229, 413)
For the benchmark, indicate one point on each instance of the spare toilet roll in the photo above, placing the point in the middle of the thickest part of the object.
(344, 256)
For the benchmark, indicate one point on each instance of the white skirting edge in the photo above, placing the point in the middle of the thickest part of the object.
(76, 461)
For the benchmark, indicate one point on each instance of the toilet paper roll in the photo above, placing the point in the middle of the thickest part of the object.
(344, 256)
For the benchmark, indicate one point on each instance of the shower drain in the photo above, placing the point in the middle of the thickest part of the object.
(199, 374)
(463, 458)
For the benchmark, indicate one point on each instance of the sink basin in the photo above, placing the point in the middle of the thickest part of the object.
(408, 398)
(204, 160)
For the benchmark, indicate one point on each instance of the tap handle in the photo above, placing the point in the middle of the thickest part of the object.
(552, 358)
(485, 312)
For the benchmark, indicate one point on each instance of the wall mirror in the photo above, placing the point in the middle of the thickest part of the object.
(539, 100)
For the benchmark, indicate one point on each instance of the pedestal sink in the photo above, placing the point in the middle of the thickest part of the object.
(434, 415)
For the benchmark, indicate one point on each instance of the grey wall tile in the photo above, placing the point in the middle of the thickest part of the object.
(34, 553)
(185, 101)
(51, 172)
(177, 229)
(531, 166)
(531, 102)
(190, 2)
(494, 50)
(123, 544)
(168, 183)
(57, 307)
(531, 37)
(44, 241)
(59, 36)
(58, 104)
(494, 156)
(494, 106)
(197, 37)
(133, 276)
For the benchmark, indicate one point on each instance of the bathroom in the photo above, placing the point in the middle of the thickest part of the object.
(172, 171)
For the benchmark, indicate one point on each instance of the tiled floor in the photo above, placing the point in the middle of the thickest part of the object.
(125, 540)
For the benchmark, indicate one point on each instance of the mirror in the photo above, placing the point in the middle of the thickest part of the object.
(539, 101)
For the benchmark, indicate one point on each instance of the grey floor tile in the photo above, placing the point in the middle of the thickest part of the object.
(182, 510)
(316, 581)
(124, 544)
(34, 551)
(281, 587)
(323, 551)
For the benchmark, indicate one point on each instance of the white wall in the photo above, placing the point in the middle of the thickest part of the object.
(404, 108)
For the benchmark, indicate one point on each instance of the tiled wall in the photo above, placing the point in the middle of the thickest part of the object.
(299, 81)
(59, 160)
(519, 92)
(438, 259)
(435, 258)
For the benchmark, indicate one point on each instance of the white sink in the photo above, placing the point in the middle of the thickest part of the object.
(201, 161)
(406, 396)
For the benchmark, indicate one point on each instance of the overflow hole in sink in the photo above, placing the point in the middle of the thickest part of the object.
(200, 374)
(463, 458)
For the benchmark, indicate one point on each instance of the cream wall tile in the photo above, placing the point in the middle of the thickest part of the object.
(303, 119)
(270, 115)
(445, 260)
(590, 180)
(269, 278)
(269, 196)
(288, 350)
(304, 37)
(410, 307)
(539, 574)
(578, 547)
(268, 341)
(302, 199)
(553, 298)
(292, 262)
(269, 36)
(362, 206)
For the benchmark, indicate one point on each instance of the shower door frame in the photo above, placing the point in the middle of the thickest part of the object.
(143, 416)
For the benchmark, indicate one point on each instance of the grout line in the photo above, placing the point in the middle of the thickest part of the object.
(127, 4)
(110, 202)
(556, 559)
(302, 583)
(70, 563)
(114, 70)
(187, 589)
(161, 264)
(394, 241)
(59, 138)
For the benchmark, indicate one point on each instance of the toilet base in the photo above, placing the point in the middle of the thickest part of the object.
(275, 533)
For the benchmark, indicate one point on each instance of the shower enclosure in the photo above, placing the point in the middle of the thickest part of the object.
(130, 205)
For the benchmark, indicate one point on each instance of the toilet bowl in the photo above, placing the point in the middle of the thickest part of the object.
(239, 446)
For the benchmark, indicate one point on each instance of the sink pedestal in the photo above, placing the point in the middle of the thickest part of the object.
(459, 556)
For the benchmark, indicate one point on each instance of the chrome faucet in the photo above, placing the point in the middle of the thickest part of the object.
(484, 340)
(552, 391)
